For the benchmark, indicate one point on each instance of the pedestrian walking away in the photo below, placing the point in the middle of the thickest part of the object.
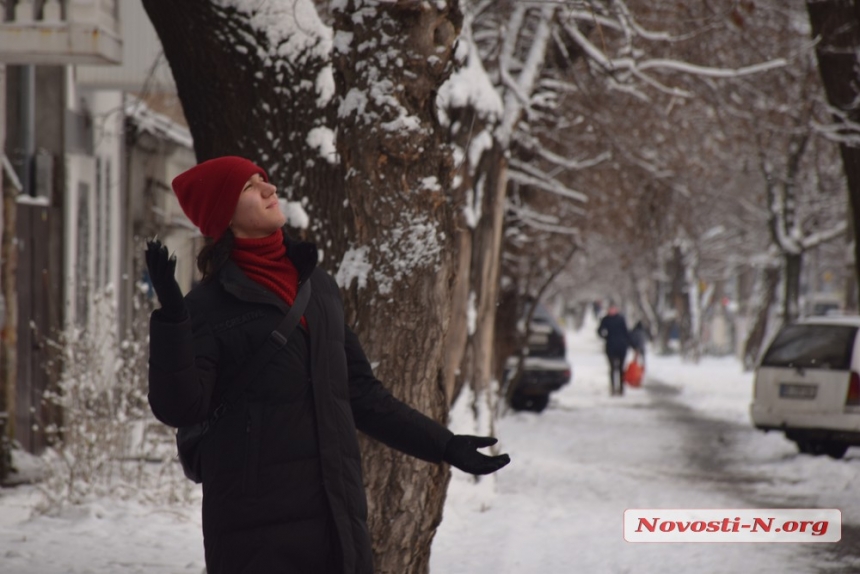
(281, 469)
(639, 336)
(613, 329)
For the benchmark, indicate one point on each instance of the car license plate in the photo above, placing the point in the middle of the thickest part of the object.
(795, 391)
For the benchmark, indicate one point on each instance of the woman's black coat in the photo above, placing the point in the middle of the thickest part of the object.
(282, 484)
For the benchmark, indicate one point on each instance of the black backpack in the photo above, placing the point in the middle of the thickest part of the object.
(189, 439)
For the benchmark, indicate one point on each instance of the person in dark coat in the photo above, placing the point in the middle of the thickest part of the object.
(613, 329)
(639, 335)
(282, 482)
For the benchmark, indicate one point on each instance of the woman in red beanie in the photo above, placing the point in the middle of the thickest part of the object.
(281, 469)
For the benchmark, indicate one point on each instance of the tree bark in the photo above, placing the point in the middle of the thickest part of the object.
(756, 337)
(389, 65)
(507, 341)
(785, 231)
(241, 96)
(680, 298)
(486, 245)
(457, 336)
(837, 23)
(793, 265)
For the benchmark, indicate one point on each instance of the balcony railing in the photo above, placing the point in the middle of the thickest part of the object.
(57, 32)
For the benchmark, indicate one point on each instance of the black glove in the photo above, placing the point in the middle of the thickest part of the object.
(462, 452)
(161, 269)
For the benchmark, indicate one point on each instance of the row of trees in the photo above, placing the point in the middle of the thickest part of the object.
(459, 159)
(723, 182)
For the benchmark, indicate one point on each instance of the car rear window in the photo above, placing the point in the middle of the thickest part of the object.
(542, 315)
(812, 347)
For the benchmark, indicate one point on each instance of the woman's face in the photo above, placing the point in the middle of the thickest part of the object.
(258, 213)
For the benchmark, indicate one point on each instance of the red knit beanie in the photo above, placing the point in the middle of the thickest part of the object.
(209, 191)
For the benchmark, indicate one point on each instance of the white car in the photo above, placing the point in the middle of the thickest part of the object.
(808, 385)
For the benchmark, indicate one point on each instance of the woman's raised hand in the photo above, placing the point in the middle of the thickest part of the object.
(162, 267)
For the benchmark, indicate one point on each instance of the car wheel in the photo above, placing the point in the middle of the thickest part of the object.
(519, 402)
(539, 403)
(812, 447)
(533, 403)
(835, 449)
(831, 448)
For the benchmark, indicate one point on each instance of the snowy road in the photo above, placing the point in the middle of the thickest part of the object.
(715, 450)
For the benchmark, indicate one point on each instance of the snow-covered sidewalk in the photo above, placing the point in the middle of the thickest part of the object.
(556, 509)
(575, 468)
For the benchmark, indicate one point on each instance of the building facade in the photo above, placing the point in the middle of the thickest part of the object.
(93, 134)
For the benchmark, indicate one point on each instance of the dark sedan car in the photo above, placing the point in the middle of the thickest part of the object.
(545, 366)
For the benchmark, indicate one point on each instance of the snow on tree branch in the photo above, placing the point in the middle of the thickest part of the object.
(539, 221)
(470, 85)
(525, 174)
(692, 69)
(616, 65)
(532, 144)
(530, 70)
(292, 28)
(637, 68)
(823, 236)
(623, 21)
(844, 130)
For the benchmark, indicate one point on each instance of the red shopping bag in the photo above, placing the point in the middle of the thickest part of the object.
(634, 372)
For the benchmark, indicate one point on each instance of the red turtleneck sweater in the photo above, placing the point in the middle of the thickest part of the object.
(265, 261)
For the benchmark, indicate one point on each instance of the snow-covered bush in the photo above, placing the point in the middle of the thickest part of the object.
(108, 443)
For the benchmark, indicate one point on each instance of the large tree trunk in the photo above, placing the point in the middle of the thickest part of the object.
(837, 23)
(381, 203)
(389, 65)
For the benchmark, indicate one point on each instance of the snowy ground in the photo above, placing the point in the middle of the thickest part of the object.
(682, 441)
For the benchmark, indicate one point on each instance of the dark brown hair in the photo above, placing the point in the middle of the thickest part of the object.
(215, 254)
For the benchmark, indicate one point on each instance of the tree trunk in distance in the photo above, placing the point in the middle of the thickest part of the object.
(837, 23)
(755, 339)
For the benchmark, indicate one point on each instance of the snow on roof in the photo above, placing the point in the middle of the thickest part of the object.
(158, 125)
(851, 320)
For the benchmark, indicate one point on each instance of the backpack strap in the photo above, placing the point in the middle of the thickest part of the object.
(276, 341)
